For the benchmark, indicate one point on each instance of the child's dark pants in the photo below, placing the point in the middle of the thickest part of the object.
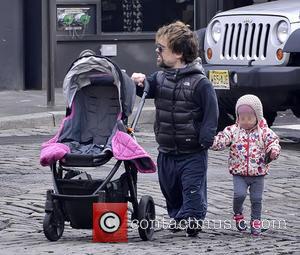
(256, 188)
(183, 181)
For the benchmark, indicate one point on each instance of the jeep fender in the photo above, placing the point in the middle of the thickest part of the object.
(201, 36)
(292, 44)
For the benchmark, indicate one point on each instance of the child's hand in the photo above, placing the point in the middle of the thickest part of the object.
(273, 154)
(270, 156)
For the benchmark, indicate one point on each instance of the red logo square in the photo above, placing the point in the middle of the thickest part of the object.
(110, 222)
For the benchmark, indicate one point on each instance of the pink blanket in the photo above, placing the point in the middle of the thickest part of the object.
(53, 151)
(125, 147)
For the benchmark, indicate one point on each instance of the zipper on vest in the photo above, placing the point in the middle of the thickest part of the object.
(175, 74)
(173, 109)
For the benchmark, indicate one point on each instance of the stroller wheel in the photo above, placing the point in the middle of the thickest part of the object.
(53, 226)
(146, 215)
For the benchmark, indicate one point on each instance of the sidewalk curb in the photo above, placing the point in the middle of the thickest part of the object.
(31, 120)
(53, 119)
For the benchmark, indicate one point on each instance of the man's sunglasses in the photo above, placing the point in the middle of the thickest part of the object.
(160, 48)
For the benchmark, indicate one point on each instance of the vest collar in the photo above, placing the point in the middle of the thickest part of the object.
(173, 74)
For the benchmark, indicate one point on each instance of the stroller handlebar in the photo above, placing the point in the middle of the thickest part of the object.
(141, 104)
(146, 86)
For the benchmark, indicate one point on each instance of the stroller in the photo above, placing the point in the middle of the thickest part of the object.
(100, 98)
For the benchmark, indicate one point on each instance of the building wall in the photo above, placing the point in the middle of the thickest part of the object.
(25, 41)
(11, 45)
(135, 51)
(133, 56)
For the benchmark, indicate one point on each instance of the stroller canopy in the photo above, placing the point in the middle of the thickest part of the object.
(85, 69)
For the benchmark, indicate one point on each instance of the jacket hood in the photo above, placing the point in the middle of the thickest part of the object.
(192, 68)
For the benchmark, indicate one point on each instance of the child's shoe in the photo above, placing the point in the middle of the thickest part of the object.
(240, 222)
(256, 227)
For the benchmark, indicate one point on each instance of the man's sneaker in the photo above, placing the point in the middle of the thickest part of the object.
(175, 226)
(193, 227)
(240, 222)
(256, 227)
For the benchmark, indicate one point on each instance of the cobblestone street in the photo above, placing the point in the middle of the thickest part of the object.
(23, 184)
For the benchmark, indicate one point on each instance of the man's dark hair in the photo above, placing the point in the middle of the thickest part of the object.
(181, 40)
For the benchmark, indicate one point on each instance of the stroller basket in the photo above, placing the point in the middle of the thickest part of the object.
(79, 211)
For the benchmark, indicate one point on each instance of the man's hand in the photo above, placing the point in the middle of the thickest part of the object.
(138, 78)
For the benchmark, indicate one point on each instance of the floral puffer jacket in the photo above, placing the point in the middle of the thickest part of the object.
(248, 149)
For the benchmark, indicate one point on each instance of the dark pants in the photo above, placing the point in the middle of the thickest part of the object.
(183, 181)
(256, 189)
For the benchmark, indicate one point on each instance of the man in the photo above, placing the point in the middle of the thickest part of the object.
(185, 125)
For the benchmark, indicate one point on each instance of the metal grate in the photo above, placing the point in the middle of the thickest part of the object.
(244, 40)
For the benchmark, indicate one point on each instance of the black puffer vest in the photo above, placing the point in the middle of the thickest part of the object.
(178, 117)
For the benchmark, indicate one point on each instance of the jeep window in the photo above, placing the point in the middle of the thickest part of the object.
(231, 4)
(144, 15)
(262, 1)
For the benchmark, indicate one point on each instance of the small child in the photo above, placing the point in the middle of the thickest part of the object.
(253, 145)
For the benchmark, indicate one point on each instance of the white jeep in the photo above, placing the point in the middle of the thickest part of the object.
(255, 49)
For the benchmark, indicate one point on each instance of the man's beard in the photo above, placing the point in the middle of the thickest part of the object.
(162, 63)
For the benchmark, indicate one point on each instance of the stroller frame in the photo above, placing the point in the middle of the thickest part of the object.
(59, 207)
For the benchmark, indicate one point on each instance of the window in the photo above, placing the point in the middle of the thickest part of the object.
(144, 15)
(231, 4)
(261, 1)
